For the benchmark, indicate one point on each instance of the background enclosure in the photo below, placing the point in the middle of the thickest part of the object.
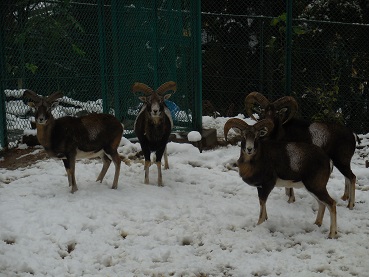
(217, 52)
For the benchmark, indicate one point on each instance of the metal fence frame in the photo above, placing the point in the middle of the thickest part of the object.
(202, 84)
(104, 73)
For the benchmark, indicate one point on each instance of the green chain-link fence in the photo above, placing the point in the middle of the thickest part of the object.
(320, 55)
(153, 42)
(93, 51)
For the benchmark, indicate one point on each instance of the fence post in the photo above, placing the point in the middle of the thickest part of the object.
(116, 58)
(288, 70)
(155, 36)
(196, 15)
(102, 42)
(3, 130)
(261, 86)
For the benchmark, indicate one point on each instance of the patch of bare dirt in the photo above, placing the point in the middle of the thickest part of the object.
(17, 158)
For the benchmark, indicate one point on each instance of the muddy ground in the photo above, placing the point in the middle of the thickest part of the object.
(16, 158)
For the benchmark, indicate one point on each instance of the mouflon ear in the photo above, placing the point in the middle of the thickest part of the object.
(263, 132)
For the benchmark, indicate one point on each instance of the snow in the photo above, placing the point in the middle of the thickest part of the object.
(194, 136)
(201, 223)
(30, 132)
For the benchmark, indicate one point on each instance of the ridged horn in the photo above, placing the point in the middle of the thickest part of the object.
(255, 98)
(141, 87)
(32, 95)
(234, 123)
(52, 97)
(288, 102)
(167, 86)
(264, 123)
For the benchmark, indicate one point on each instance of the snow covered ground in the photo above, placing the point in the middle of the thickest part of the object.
(201, 223)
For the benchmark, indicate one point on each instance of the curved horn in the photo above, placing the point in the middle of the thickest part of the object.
(140, 87)
(252, 99)
(288, 102)
(167, 86)
(32, 95)
(264, 123)
(234, 123)
(52, 97)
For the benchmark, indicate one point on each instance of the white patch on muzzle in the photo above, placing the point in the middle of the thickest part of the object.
(249, 147)
(155, 110)
(41, 119)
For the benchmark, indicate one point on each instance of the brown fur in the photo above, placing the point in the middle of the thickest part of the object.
(265, 163)
(70, 138)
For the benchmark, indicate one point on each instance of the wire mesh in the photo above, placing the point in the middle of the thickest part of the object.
(245, 49)
(153, 42)
(93, 51)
